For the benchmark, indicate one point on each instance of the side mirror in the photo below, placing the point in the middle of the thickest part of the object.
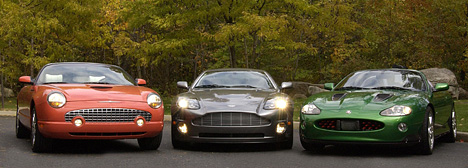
(182, 84)
(141, 82)
(286, 85)
(441, 87)
(25, 80)
(328, 86)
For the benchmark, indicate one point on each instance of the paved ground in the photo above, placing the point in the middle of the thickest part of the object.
(125, 153)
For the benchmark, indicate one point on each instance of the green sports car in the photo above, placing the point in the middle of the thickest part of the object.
(382, 106)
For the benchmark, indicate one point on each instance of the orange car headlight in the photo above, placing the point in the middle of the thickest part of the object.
(154, 100)
(56, 99)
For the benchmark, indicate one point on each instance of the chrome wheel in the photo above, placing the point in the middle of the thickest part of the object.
(33, 128)
(454, 124)
(430, 131)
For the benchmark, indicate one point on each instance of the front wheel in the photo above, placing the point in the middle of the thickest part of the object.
(39, 143)
(452, 135)
(21, 130)
(426, 145)
(151, 143)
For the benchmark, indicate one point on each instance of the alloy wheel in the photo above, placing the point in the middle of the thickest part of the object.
(430, 131)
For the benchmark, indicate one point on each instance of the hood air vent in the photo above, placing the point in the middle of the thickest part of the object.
(382, 97)
(338, 96)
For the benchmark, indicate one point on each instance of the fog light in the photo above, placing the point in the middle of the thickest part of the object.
(78, 122)
(182, 128)
(140, 122)
(280, 128)
(402, 127)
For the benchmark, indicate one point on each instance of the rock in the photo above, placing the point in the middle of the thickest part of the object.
(316, 89)
(298, 88)
(300, 96)
(443, 75)
(463, 94)
(8, 92)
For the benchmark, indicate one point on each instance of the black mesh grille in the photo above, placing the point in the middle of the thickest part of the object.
(338, 96)
(108, 115)
(231, 119)
(349, 125)
(382, 97)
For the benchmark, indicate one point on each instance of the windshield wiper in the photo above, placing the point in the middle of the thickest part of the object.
(54, 83)
(245, 86)
(211, 86)
(351, 88)
(97, 83)
(392, 87)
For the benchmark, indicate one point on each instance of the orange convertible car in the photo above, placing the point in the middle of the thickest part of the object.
(87, 101)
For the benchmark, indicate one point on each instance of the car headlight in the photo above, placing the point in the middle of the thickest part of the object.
(396, 111)
(56, 99)
(310, 109)
(276, 103)
(154, 100)
(188, 103)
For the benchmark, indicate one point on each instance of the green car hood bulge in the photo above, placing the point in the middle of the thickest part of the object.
(364, 100)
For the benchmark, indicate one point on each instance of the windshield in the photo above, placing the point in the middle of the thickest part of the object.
(383, 79)
(235, 79)
(84, 74)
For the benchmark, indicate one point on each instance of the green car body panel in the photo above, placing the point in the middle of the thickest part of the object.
(364, 105)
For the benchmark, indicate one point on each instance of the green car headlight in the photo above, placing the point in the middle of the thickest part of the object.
(310, 109)
(396, 111)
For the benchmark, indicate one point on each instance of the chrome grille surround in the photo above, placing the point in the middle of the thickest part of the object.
(108, 115)
(237, 119)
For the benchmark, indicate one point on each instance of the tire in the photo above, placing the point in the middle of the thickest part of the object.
(21, 131)
(151, 143)
(311, 146)
(452, 135)
(176, 144)
(38, 142)
(289, 142)
(426, 146)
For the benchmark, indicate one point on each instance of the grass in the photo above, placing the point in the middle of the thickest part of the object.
(461, 107)
(10, 104)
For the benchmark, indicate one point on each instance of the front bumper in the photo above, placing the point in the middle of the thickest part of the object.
(52, 123)
(253, 134)
(389, 134)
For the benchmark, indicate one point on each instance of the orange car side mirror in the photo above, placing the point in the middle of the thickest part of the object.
(25, 80)
(141, 82)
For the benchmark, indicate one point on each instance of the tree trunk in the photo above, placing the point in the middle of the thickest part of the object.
(232, 51)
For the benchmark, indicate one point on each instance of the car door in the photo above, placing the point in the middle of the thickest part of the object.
(442, 102)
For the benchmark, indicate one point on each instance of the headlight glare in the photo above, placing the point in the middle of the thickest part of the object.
(56, 99)
(276, 103)
(154, 100)
(396, 111)
(188, 103)
(310, 109)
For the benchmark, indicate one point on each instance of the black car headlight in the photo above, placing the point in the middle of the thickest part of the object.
(310, 109)
(276, 103)
(188, 103)
(56, 99)
(154, 100)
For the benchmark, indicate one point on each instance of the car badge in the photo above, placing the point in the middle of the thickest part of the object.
(348, 112)
(110, 101)
(231, 105)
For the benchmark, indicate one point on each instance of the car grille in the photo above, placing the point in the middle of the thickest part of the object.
(231, 119)
(108, 115)
(349, 125)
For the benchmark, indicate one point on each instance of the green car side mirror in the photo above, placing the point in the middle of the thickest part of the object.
(328, 86)
(441, 86)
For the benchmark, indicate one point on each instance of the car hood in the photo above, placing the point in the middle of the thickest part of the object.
(365, 100)
(95, 92)
(225, 100)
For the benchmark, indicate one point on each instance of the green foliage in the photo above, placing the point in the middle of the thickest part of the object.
(164, 41)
